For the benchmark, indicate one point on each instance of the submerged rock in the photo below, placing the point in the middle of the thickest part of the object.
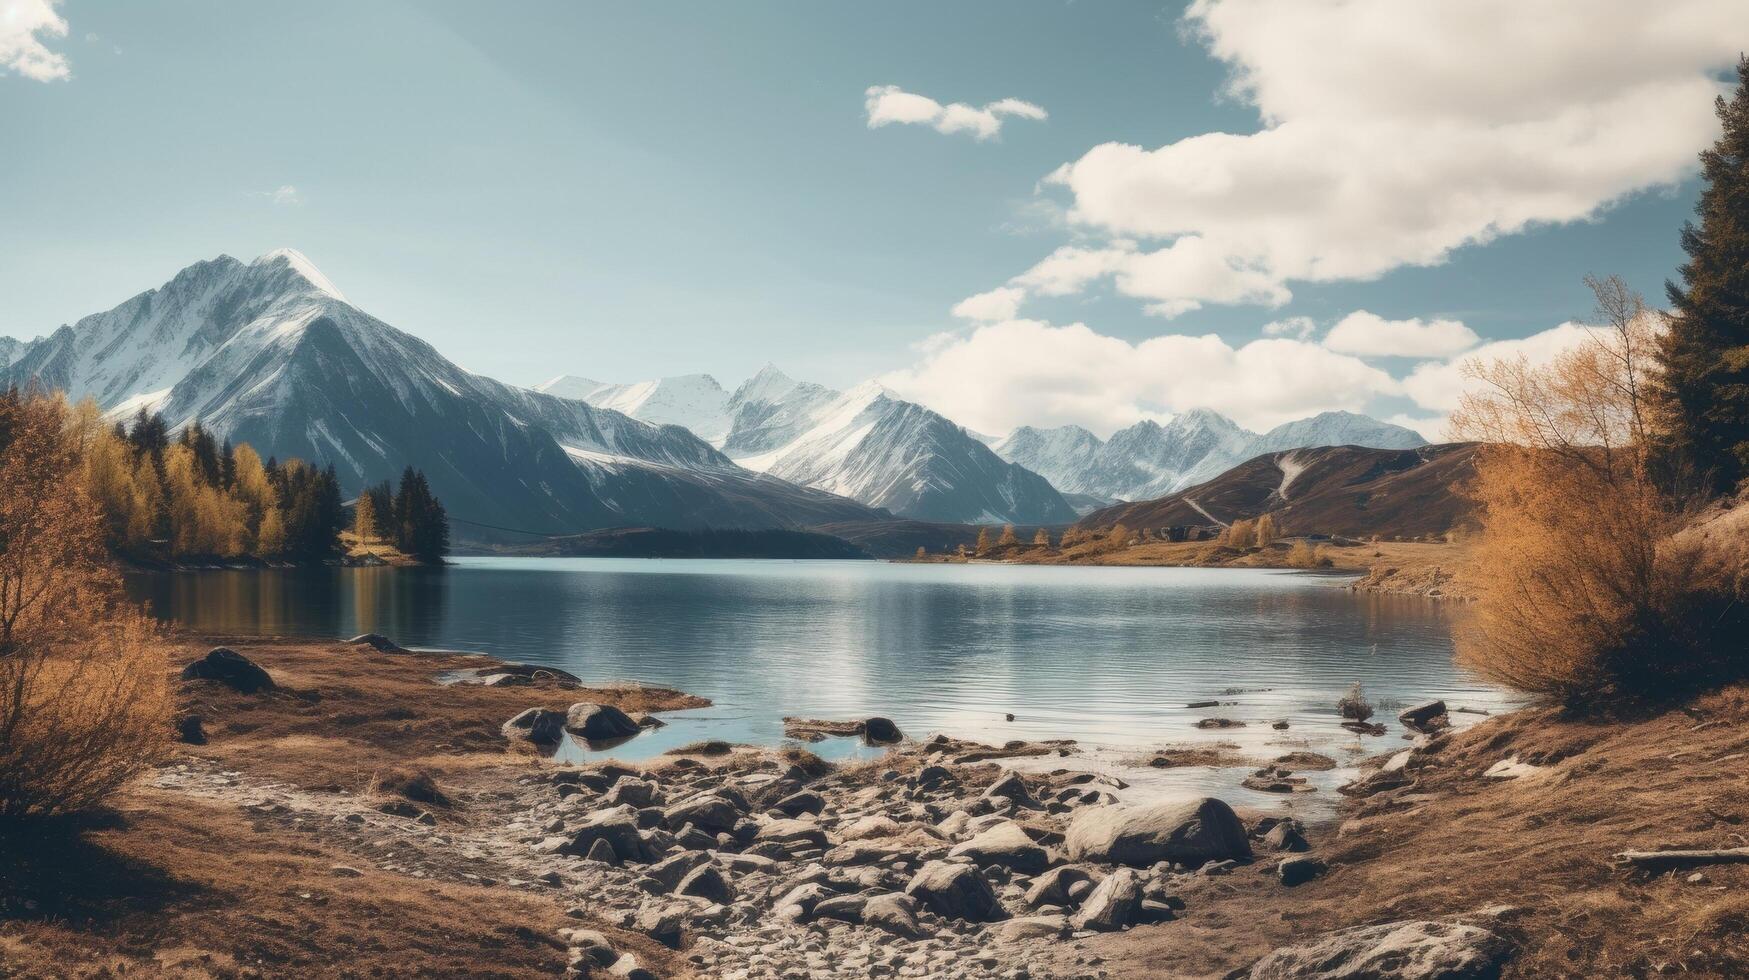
(599, 722)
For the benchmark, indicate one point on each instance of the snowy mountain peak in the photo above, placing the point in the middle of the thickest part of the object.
(769, 384)
(296, 262)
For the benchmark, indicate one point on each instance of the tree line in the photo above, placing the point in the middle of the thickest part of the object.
(164, 495)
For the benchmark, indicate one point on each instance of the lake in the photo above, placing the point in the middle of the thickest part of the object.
(1110, 657)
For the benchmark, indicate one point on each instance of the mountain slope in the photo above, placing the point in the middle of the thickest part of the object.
(868, 445)
(693, 401)
(1346, 490)
(270, 353)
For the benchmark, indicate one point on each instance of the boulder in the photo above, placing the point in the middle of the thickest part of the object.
(711, 813)
(189, 730)
(599, 722)
(1005, 844)
(601, 851)
(537, 725)
(671, 869)
(881, 731)
(1052, 887)
(798, 903)
(663, 923)
(1190, 832)
(1032, 927)
(1299, 869)
(229, 668)
(618, 826)
(631, 968)
(894, 913)
(793, 833)
(796, 804)
(1286, 836)
(844, 908)
(1012, 789)
(1413, 950)
(1113, 905)
(1424, 717)
(706, 882)
(633, 792)
(377, 642)
(955, 891)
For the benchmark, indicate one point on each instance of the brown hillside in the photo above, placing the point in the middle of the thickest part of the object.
(1344, 490)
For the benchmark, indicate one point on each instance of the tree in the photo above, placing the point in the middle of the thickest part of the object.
(422, 526)
(1241, 534)
(364, 523)
(1041, 538)
(1008, 538)
(983, 540)
(1266, 530)
(922, 553)
(1701, 389)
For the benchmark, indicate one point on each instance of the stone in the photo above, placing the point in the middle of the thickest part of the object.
(798, 903)
(867, 828)
(663, 923)
(505, 680)
(710, 813)
(1052, 887)
(603, 852)
(1032, 927)
(1005, 844)
(706, 882)
(618, 826)
(796, 804)
(377, 642)
(955, 891)
(1299, 869)
(537, 725)
(671, 869)
(793, 833)
(190, 731)
(231, 669)
(633, 792)
(1411, 950)
(881, 731)
(844, 908)
(1425, 717)
(894, 913)
(1013, 789)
(629, 966)
(1113, 905)
(599, 722)
(1190, 832)
(1286, 836)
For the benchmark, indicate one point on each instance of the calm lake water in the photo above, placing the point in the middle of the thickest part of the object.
(1107, 656)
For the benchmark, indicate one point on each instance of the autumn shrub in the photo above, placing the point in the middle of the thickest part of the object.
(1585, 593)
(1304, 554)
(84, 700)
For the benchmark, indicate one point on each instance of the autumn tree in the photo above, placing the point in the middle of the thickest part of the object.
(1240, 534)
(1041, 538)
(1701, 388)
(983, 540)
(364, 518)
(1266, 531)
(1008, 538)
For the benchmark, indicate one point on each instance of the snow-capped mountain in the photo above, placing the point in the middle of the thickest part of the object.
(272, 354)
(869, 445)
(865, 444)
(1149, 460)
(11, 350)
(695, 401)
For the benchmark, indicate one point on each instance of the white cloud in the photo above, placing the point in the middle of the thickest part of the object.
(1439, 386)
(1297, 327)
(1174, 280)
(1001, 303)
(23, 26)
(1395, 131)
(1021, 372)
(283, 194)
(1370, 335)
(888, 104)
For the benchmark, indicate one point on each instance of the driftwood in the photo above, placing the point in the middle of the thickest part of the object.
(1656, 861)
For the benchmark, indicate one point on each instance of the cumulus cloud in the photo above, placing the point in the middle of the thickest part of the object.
(889, 104)
(1439, 386)
(24, 24)
(1297, 327)
(1001, 303)
(1395, 131)
(1028, 372)
(1370, 335)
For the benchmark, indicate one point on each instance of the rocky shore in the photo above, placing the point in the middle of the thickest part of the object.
(352, 809)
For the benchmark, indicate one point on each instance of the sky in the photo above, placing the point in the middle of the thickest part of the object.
(1015, 211)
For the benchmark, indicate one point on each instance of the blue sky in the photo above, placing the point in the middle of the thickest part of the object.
(628, 190)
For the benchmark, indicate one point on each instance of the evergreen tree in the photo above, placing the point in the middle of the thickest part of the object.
(227, 465)
(421, 524)
(1702, 391)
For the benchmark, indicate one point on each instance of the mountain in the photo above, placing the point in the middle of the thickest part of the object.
(1149, 460)
(1348, 490)
(694, 401)
(272, 354)
(871, 446)
(10, 350)
(771, 410)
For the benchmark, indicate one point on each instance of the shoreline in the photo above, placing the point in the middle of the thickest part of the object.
(311, 793)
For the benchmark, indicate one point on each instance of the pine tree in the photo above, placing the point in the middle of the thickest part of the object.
(1008, 538)
(1702, 392)
(983, 540)
(364, 522)
(1041, 538)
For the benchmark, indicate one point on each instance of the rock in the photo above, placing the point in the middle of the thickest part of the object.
(633, 792)
(505, 680)
(955, 891)
(793, 833)
(881, 731)
(618, 826)
(647, 720)
(1286, 836)
(1013, 789)
(377, 642)
(1052, 887)
(603, 852)
(629, 966)
(1278, 725)
(1414, 950)
(706, 882)
(1425, 717)
(189, 730)
(345, 871)
(844, 908)
(932, 776)
(537, 725)
(894, 913)
(1112, 905)
(1005, 844)
(671, 869)
(1220, 723)
(1299, 869)
(231, 669)
(663, 923)
(1032, 927)
(796, 804)
(1191, 832)
(798, 903)
(599, 722)
(711, 813)
(871, 827)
